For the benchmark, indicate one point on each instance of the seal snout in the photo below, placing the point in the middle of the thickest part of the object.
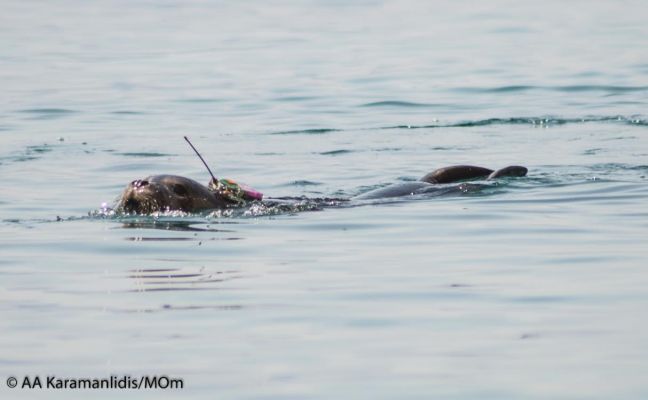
(140, 197)
(131, 205)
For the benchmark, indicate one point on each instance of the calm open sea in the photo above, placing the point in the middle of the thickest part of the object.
(533, 288)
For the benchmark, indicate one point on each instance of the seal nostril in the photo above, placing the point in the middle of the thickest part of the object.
(139, 183)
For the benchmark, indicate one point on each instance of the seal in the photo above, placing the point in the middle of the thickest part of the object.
(168, 193)
(430, 182)
(159, 193)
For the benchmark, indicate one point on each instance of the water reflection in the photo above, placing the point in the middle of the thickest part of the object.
(166, 279)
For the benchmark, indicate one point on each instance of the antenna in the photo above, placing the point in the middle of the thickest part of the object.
(201, 159)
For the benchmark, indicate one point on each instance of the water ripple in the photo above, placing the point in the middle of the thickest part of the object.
(127, 112)
(566, 89)
(532, 121)
(303, 182)
(306, 131)
(145, 154)
(166, 279)
(396, 103)
(335, 152)
(29, 154)
(47, 113)
(200, 100)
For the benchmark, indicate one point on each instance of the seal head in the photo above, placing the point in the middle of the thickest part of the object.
(168, 193)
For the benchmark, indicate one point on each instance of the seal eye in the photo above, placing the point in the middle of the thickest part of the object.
(179, 190)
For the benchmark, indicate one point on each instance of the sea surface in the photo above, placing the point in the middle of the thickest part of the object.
(526, 288)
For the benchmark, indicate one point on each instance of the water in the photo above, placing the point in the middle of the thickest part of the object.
(528, 288)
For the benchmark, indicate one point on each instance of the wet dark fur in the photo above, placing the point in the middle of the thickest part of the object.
(170, 192)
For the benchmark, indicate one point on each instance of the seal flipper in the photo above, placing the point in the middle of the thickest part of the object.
(511, 170)
(456, 173)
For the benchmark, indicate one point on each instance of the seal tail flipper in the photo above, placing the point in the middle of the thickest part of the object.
(511, 170)
(456, 173)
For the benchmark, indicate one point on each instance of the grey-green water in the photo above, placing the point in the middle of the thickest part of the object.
(526, 288)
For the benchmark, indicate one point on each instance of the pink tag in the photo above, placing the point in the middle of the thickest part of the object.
(253, 194)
